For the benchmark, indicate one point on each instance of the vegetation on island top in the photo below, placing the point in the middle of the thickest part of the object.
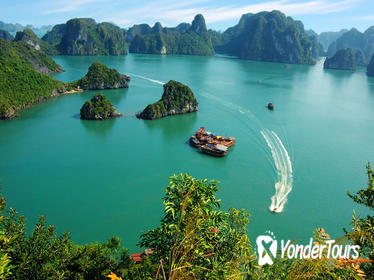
(83, 36)
(344, 59)
(177, 98)
(195, 240)
(98, 108)
(99, 76)
(20, 84)
(29, 37)
(268, 36)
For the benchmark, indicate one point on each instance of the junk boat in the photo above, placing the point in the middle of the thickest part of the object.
(216, 150)
(203, 137)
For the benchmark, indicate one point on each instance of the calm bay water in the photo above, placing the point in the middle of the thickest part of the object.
(98, 179)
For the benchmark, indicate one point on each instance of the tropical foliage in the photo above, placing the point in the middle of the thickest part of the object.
(98, 108)
(362, 231)
(20, 84)
(195, 240)
(100, 76)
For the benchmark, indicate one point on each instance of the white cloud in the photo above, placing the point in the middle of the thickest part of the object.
(65, 6)
(171, 12)
(364, 18)
(286, 6)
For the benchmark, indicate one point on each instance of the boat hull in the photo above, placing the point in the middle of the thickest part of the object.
(211, 152)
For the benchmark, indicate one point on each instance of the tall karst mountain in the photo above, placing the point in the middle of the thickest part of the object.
(183, 39)
(268, 36)
(83, 36)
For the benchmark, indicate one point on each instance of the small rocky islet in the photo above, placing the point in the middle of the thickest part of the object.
(98, 108)
(176, 99)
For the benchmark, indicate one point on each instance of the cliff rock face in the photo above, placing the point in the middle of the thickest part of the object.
(55, 35)
(176, 99)
(357, 41)
(98, 108)
(370, 68)
(269, 36)
(85, 37)
(183, 39)
(344, 59)
(360, 58)
(5, 35)
(137, 29)
(28, 36)
(100, 76)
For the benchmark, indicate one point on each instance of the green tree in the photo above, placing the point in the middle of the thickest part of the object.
(46, 255)
(362, 232)
(196, 240)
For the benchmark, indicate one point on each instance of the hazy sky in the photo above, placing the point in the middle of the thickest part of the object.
(320, 15)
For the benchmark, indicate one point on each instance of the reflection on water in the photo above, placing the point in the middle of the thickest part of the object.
(174, 126)
(99, 128)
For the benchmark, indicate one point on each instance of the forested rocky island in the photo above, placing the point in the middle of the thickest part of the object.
(98, 108)
(268, 36)
(100, 76)
(344, 59)
(176, 99)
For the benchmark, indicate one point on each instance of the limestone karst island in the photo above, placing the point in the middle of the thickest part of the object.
(183, 140)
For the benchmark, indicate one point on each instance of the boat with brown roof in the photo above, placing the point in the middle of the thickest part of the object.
(203, 137)
(216, 150)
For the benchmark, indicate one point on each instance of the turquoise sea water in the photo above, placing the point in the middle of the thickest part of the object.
(98, 179)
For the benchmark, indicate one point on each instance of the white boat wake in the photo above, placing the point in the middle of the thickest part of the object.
(148, 79)
(281, 158)
(283, 165)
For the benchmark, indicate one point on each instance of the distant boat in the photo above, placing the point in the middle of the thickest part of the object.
(270, 106)
(214, 150)
(274, 210)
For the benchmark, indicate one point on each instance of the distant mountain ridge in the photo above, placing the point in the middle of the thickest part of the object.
(184, 39)
(13, 28)
(326, 38)
(361, 43)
